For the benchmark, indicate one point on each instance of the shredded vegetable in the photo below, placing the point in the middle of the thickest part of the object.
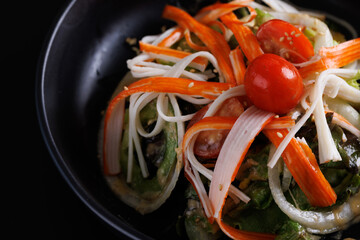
(190, 106)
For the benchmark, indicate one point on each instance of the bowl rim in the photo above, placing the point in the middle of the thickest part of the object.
(70, 177)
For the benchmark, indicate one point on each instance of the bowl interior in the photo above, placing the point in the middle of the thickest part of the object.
(81, 66)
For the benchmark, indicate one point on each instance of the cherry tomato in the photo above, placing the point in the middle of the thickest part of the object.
(208, 143)
(273, 84)
(284, 39)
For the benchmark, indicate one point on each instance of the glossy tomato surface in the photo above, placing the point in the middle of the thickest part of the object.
(273, 84)
(284, 39)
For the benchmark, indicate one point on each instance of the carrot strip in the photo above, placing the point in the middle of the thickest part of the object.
(216, 10)
(303, 166)
(344, 123)
(193, 45)
(175, 36)
(243, 235)
(238, 64)
(211, 38)
(157, 52)
(220, 25)
(333, 57)
(244, 36)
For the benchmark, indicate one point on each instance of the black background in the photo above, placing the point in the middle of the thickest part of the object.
(38, 202)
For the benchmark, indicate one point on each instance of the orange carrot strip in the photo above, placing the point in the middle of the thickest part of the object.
(238, 64)
(333, 57)
(303, 166)
(216, 10)
(156, 52)
(191, 44)
(344, 123)
(175, 36)
(220, 25)
(211, 38)
(244, 36)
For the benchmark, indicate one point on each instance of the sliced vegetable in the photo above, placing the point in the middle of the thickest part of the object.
(303, 166)
(211, 38)
(273, 84)
(323, 222)
(238, 64)
(172, 55)
(113, 122)
(172, 38)
(216, 10)
(244, 36)
(284, 39)
(333, 57)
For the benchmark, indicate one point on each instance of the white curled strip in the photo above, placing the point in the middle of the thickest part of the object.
(328, 148)
(315, 222)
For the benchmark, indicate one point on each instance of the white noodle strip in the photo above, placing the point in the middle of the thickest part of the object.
(315, 222)
(113, 138)
(351, 128)
(130, 140)
(232, 92)
(337, 86)
(156, 39)
(135, 102)
(194, 100)
(327, 147)
(189, 149)
(316, 93)
(173, 59)
(179, 67)
(177, 113)
(159, 122)
(141, 68)
(200, 189)
(160, 109)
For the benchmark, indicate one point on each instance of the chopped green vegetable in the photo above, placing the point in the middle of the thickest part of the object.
(262, 16)
(294, 231)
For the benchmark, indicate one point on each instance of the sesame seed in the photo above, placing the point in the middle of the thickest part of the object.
(126, 88)
(215, 71)
(220, 187)
(191, 85)
(279, 134)
(291, 42)
(282, 39)
(289, 38)
(179, 48)
(192, 70)
(293, 32)
(298, 35)
(286, 34)
(276, 116)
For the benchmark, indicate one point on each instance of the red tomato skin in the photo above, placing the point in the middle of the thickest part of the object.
(273, 84)
(208, 143)
(284, 39)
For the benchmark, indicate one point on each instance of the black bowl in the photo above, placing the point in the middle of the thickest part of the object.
(82, 62)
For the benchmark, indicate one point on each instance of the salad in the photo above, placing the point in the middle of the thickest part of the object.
(256, 104)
